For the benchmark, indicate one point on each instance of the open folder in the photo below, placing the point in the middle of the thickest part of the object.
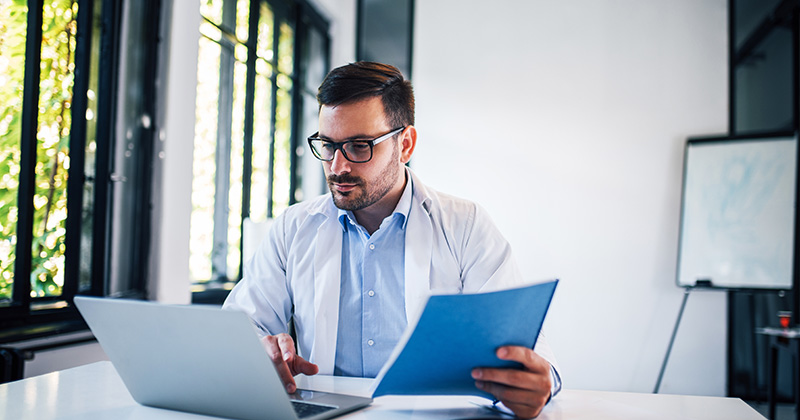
(456, 333)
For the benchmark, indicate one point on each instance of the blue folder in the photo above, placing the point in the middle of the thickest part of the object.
(456, 333)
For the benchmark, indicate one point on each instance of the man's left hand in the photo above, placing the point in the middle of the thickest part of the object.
(524, 391)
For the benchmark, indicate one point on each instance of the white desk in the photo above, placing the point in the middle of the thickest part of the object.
(95, 391)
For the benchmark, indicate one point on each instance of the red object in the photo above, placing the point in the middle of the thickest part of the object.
(785, 317)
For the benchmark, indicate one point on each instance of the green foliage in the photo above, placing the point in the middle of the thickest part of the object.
(52, 160)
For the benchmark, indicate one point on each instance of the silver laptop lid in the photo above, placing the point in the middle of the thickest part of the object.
(190, 358)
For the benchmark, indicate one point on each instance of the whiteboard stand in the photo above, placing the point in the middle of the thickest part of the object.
(700, 284)
(738, 212)
(672, 339)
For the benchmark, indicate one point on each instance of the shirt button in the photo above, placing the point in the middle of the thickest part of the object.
(370, 342)
(371, 293)
(371, 246)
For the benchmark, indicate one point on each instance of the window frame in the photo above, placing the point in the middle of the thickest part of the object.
(25, 317)
(302, 18)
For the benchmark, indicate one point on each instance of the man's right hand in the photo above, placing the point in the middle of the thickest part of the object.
(281, 350)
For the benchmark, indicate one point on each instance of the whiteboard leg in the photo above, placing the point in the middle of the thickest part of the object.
(672, 340)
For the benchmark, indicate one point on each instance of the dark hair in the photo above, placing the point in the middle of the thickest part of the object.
(364, 79)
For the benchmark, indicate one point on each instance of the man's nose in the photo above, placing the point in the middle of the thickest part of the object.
(339, 164)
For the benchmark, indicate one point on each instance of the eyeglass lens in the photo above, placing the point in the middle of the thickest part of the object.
(354, 151)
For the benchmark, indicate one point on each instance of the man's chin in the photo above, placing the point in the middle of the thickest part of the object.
(345, 200)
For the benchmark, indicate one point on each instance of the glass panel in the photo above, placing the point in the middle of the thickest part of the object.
(763, 98)
(132, 129)
(383, 32)
(52, 161)
(237, 169)
(240, 52)
(13, 20)
(212, 10)
(262, 131)
(210, 31)
(203, 164)
(749, 14)
(286, 49)
(266, 22)
(242, 17)
(315, 63)
(283, 132)
(85, 270)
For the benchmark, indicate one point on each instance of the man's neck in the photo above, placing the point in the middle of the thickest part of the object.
(372, 217)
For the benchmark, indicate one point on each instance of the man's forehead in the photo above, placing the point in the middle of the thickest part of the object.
(363, 118)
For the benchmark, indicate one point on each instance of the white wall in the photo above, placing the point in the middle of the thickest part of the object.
(566, 120)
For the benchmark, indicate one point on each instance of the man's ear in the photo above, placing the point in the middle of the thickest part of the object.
(408, 141)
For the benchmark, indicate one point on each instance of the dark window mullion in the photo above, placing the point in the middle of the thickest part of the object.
(106, 121)
(731, 67)
(28, 143)
(796, 127)
(297, 103)
(277, 17)
(77, 149)
(141, 243)
(219, 253)
(249, 109)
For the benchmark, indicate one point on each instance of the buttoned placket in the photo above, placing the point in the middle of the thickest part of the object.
(370, 303)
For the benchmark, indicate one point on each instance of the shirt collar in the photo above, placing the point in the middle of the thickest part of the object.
(403, 207)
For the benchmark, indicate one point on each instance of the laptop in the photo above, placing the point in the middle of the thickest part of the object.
(200, 359)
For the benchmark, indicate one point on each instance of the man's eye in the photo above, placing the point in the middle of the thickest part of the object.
(327, 146)
(359, 147)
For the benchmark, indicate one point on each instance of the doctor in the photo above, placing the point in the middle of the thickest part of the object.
(351, 268)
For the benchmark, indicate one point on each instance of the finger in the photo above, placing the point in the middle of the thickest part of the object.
(524, 404)
(534, 382)
(271, 344)
(525, 411)
(303, 366)
(532, 361)
(286, 345)
(296, 363)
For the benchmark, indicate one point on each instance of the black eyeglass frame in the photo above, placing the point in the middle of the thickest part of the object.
(341, 145)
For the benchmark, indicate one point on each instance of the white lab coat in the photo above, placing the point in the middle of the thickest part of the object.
(452, 246)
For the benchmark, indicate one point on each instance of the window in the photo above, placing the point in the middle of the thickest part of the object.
(763, 65)
(259, 66)
(63, 175)
(764, 98)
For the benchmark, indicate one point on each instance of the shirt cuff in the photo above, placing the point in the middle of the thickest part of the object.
(555, 380)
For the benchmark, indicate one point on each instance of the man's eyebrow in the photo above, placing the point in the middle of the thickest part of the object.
(355, 137)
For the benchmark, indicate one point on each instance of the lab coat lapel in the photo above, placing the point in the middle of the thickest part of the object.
(419, 243)
(327, 273)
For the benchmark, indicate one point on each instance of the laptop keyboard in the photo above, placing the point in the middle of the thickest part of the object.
(304, 409)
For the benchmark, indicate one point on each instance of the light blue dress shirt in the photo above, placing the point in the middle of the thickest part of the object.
(372, 314)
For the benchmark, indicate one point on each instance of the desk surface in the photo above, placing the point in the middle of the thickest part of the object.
(95, 391)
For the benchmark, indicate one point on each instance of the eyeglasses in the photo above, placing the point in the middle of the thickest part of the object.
(356, 151)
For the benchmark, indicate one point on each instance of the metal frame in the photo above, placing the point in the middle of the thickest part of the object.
(785, 10)
(77, 148)
(302, 17)
(30, 121)
(144, 165)
(26, 316)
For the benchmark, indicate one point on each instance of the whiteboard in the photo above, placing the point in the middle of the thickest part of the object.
(738, 212)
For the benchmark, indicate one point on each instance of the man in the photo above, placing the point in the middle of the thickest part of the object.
(351, 268)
